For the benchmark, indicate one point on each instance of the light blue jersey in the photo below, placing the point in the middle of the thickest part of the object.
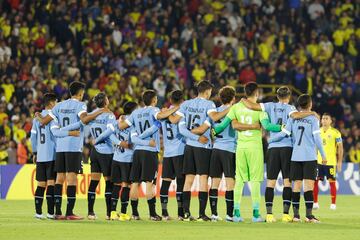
(142, 119)
(194, 113)
(174, 142)
(279, 113)
(42, 140)
(227, 139)
(98, 126)
(68, 112)
(122, 154)
(305, 135)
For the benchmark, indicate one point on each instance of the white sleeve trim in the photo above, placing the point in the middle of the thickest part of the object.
(207, 123)
(286, 132)
(262, 107)
(155, 115)
(111, 127)
(210, 111)
(294, 111)
(182, 123)
(81, 112)
(134, 134)
(33, 131)
(52, 115)
(128, 122)
(316, 132)
(55, 126)
(180, 114)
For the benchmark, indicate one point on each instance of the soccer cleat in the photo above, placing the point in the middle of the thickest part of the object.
(286, 218)
(180, 218)
(215, 218)
(296, 219)
(124, 217)
(155, 218)
(60, 217)
(270, 218)
(74, 217)
(166, 218)
(188, 217)
(238, 219)
(258, 219)
(229, 219)
(107, 218)
(316, 205)
(92, 216)
(311, 219)
(203, 218)
(114, 215)
(333, 206)
(40, 216)
(135, 217)
(50, 216)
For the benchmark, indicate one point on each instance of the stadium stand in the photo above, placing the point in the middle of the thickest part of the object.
(123, 47)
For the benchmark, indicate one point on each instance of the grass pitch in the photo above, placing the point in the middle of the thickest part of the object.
(17, 222)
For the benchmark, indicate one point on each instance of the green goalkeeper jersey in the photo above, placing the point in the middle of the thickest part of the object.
(249, 138)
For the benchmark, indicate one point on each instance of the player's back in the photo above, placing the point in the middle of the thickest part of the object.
(68, 112)
(46, 142)
(249, 138)
(142, 119)
(195, 113)
(279, 113)
(227, 139)
(123, 154)
(173, 141)
(98, 126)
(303, 130)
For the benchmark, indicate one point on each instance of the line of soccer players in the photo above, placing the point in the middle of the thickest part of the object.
(198, 139)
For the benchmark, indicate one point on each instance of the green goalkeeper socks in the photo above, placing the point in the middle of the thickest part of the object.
(255, 197)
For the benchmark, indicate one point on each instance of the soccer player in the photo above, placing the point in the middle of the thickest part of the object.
(101, 156)
(279, 153)
(172, 165)
(43, 144)
(249, 154)
(69, 149)
(332, 142)
(197, 153)
(145, 158)
(306, 139)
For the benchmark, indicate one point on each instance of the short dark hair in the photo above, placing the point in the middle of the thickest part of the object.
(283, 92)
(148, 96)
(304, 101)
(250, 89)
(129, 107)
(48, 98)
(204, 86)
(75, 87)
(177, 96)
(100, 100)
(327, 114)
(227, 94)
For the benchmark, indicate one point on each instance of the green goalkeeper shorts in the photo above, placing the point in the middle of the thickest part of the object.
(249, 164)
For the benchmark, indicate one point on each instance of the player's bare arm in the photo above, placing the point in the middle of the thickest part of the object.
(43, 120)
(166, 113)
(244, 127)
(122, 123)
(201, 129)
(88, 117)
(339, 155)
(174, 119)
(216, 116)
(303, 114)
(251, 105)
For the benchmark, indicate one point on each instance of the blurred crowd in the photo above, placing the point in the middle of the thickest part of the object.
(124, 46)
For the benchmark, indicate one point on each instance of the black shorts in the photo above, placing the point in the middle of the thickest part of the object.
(222, 162)
(278, 159)
(45, 171)
(303, 170)
(326, 171)
(67, 162)
(173, 167)
(144, 167)
(120, 172)
(196, 160)
(100, 163)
